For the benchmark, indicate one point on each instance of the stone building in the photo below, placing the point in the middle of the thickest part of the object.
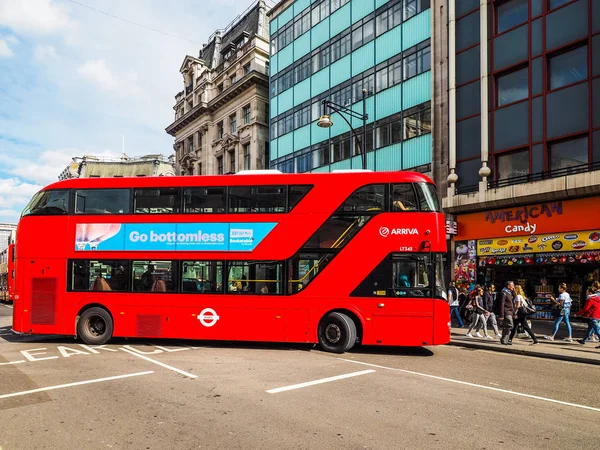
(141, 166)
(222, 115)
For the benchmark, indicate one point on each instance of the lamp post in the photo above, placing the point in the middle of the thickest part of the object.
(325, 122)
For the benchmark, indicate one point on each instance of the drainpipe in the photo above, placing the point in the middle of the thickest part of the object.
(452, 177)
(485, 171)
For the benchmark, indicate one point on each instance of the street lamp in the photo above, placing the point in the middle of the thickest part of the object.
(326, 122)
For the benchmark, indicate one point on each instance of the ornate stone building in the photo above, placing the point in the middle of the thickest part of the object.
(222, 115)
(96, 167)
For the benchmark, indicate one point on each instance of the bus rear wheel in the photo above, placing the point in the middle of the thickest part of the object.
(337, 333)
(95, 326)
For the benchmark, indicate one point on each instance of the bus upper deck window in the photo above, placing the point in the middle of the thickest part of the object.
(427, 197)
(48, 203)
(403, 197)
(366, 199)
(102, 201)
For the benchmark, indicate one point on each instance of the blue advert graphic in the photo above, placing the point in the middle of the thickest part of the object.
(219, 237)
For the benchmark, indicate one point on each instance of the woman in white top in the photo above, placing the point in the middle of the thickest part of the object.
(479, 314)
(520, 307)
(564, 302)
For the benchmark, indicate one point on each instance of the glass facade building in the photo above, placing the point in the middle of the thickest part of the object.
(332, 50)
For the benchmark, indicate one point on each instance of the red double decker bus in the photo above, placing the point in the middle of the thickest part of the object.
(337, 259)
(7, 274)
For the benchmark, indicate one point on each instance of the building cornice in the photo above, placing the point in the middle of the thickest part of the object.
(233, 91)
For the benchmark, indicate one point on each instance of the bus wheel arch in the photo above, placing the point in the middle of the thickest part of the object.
(339, 330)
(94, 324)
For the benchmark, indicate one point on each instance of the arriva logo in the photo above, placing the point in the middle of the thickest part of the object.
(385, 232)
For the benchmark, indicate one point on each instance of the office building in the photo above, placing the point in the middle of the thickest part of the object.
(523, 144)
(333, 50)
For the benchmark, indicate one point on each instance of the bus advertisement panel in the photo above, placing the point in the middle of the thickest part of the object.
(337, 259)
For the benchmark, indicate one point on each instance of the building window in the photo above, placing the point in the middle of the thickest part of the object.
(246, 150)
(246, 112)
(232, 79)
(568, 68)
(220, 88)
(233, 123)
(199, 140)
(417, 123)
(512, 87)
(573, 152)
(190, 144)
(219, 165)
(220, 130)
(552, 4)
(247, 69)
(511, 13)
(414, 7)
(512, 165)
(267, 112)
(232, 168)
(417, 62)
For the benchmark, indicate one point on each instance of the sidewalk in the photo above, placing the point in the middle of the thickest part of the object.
(557, 349)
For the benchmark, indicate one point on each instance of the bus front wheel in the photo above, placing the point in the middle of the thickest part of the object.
(337, 333)
(95, 326)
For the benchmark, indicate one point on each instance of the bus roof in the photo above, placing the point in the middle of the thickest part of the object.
(233, 180)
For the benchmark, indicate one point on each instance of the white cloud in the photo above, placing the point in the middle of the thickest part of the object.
(14, 195)
(5, 50)
(48, 164)
(45, 53)
(33, 16)
(96, 72)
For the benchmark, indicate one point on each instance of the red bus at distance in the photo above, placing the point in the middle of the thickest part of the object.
(7, 273)
(335, 259)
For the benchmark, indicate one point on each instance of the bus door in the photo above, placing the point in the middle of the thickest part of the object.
(40, 302)
(404, 310)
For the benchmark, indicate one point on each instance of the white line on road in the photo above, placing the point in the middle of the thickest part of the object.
(79, 383)
(12, 362)
(187, 374)
(8, 306)
(520, 394)
(322, 380)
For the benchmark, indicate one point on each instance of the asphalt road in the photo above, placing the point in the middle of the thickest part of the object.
(141, 394)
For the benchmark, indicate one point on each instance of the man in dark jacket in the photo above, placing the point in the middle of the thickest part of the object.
(507, 311)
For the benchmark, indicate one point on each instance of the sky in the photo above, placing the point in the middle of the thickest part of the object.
(74, 81)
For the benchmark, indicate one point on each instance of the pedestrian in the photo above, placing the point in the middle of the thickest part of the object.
(465, 308)
(522, 308)
(479, 314)
(507, 311)
(591, 310)
(454, 304)
(488, 304)
(562, 306)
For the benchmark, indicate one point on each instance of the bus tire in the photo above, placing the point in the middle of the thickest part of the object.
(95, 326)
(337, 333)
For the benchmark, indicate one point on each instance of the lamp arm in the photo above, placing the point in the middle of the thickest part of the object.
(346, 120)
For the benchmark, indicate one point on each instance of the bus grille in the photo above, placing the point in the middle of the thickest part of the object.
(148, 325)
(43, 301)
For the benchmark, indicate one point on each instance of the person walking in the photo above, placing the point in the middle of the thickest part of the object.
(507, 311)
(479, 314)
(592, 311)
(454, 304)
(521, 307)
(563, 306)
(488, 304)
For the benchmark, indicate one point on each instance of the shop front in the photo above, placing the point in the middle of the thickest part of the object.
(538, 246)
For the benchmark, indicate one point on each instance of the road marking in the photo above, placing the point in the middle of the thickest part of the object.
(321, 381)
(520, 394)
(160, 364)
(78, 383)
(8, 306)
(12, 362)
